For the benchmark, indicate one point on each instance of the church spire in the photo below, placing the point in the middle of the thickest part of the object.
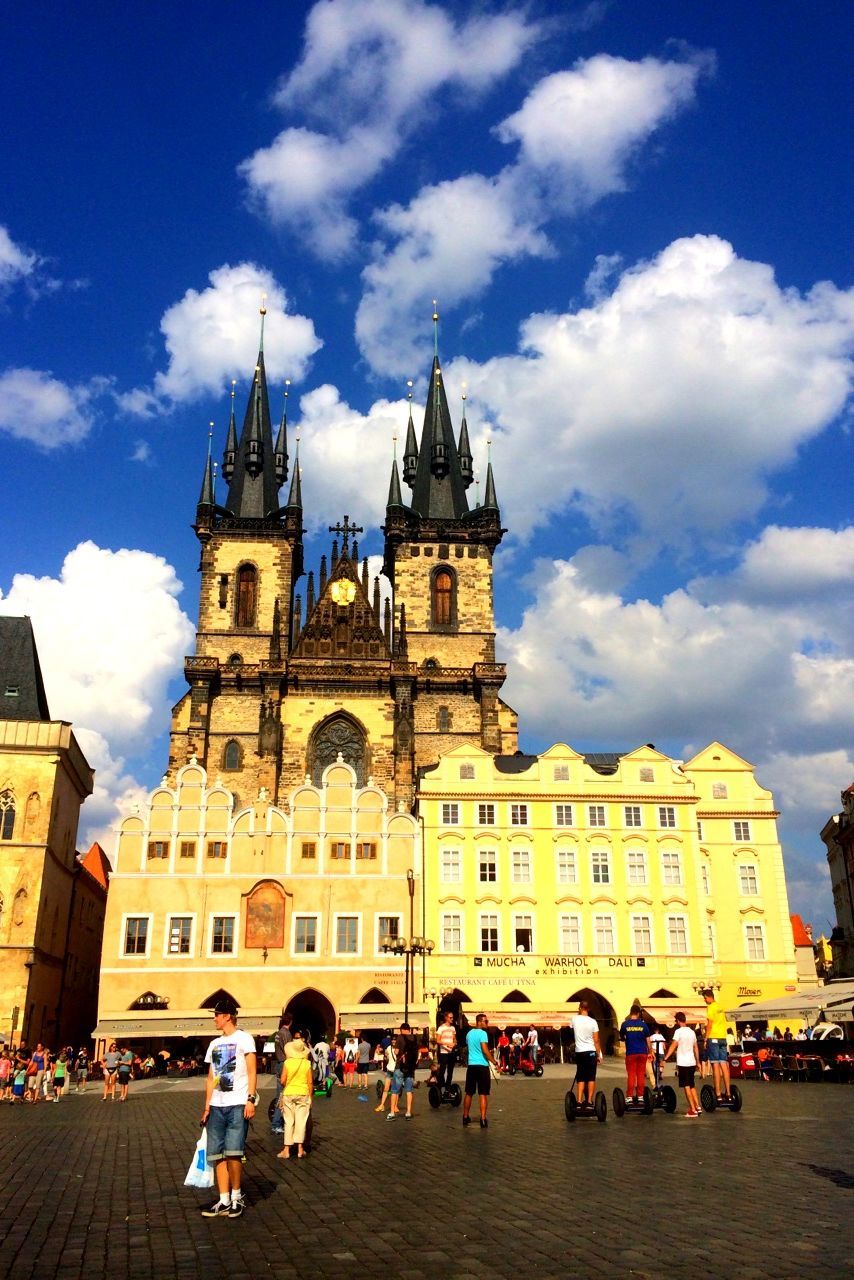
(253, 493)
(464, 449)
(295, 495)
(438, 487)
(395, 498)
(410, 452)
(230, 456)
(490, 501)
(207, 497)
(280, 453)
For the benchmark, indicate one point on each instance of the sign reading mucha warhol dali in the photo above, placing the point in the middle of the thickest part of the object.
(265, 917)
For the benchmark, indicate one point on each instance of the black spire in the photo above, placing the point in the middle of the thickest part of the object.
(280, 453)
(464, 450)
(438, 491)
(295, 495)
(395, 498)
(230, 456)
(410, 452)
(490, 501)
(253, 492)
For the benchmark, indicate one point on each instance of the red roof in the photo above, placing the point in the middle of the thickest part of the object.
(802, 938)
(97, 864)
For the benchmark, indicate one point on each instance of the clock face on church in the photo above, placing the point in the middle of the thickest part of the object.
(343, 591)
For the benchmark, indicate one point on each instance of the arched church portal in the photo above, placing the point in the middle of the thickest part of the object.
(338, 735)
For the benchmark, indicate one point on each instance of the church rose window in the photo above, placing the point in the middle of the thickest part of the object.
(247, 595)
(339, 736)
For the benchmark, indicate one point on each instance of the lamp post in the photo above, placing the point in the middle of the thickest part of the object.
(415, 945)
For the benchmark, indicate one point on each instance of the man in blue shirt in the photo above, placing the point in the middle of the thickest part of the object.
(478, 1075)
(635, 1032)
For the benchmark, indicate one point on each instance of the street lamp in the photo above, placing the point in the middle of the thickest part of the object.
(416, 946)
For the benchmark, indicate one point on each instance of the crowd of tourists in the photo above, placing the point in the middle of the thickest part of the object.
(41, 1075)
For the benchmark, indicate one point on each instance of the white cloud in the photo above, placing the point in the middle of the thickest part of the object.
(116, 794)
(110, 635)
(794, 564)
(369, 72)
(36, 406)
(212, 335)
(577, 133)
(141, 452)
(667, 402)
(16, 263)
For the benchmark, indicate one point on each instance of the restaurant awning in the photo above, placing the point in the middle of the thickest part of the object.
(379, 1017)
(666, 1013)
(836, 1000)
(194, 1024)
(523, 1015)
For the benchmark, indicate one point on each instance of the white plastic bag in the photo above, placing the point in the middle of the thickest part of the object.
(200, 1174)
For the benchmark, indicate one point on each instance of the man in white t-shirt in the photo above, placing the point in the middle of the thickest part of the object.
(588, 1052)
(230, 1101)
(657, 1047)
(684, 1045)
(532, 1044)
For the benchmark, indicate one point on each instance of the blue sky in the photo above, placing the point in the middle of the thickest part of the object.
(635, 219)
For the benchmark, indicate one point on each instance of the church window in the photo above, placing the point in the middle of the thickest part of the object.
(444, 598)
(247, 595)
(223, 590)
(342, 736)
(443, 720)
(231, 760)
(7, 815)
(235, 660)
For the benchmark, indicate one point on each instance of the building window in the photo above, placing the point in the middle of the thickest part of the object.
(666, 815)
(216, 849)
(677, 936)
(158, 848)
(642, 935)
(567, 871)
(305, 935)
(231, 760)
(444, 721)
(247, 595)
(450, 815)
(754, 937)
(489, 933)
(7, 815)
(180, 933)
(646, 773)
(444, 612)
(600, 863)
(518, 815)
(466, 772)
(309, 849)
(523, 934)
(339, 735)
(719, 791)
(748, 879)
(671, 867)
(347, 935)
(712, 939)
(633, 815)
(452, 866)
(222, 936)
(366, 849)
(488, 866)
(570, 935)
(521, 866)
(636, 866)
(561, 773)
(486, 815)
(741, 830)
(136, 935)
(596, 815)
(339, 849)
(387, 927)
(452, 933)
(706, 878)
(188, 849)
(563, 815)
(603, 934)
(699, 830)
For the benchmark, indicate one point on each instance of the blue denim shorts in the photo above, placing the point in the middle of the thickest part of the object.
(227, 1129)
(717, 1050)
(400, 1082)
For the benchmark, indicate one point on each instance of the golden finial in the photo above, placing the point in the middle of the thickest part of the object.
(263, 304)
(435, 329)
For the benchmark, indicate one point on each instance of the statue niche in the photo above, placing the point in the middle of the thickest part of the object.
(339, 735)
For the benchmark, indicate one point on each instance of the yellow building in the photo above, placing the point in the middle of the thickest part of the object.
(52, 903)
(278, 906)
(615, 876)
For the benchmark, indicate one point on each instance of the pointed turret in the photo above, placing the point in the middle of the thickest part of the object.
(410, 452)
(438, 491)
(280, 453)
(294, 504)
(490, 501)
(253, 492)
(395, 498)
(275, 638)
(229, 457)
(464, 450)
(207, 497)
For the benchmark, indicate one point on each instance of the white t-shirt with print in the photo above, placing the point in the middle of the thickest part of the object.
(227, 1055)
(584, 1028)
(685, 1041)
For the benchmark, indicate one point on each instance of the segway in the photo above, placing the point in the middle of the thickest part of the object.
(643, 1107)
(450, 1094)
(576, 1110)
(709, 1100)
(663, 1095)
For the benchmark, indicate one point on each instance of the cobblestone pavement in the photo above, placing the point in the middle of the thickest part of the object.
(94, 1189)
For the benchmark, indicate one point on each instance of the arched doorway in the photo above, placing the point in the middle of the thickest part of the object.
(312, 1012)
(603, 1011)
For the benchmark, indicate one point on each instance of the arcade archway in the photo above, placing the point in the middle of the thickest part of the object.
(603, 1011)
(312, 1012)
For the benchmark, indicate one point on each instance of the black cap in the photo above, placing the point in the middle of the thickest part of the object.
(226, 1004)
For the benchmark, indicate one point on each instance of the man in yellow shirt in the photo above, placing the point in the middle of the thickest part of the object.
(716, 1043)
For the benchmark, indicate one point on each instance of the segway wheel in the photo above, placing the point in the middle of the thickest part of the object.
(538, 1070)
(735, 1095)
(434, 1096)
(618, 1101)
(708, 1101)
(455, 1095)
(668, 1095)
(600, 1106)
(329, 1084)
(511, 1070)
(648, 1102)
(379, 1088)
(570, 1106)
